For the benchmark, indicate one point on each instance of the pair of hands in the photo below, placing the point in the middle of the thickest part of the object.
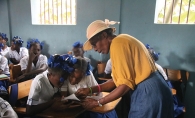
(87, 103)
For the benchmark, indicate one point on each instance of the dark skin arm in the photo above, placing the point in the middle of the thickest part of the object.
(105, 87)
(34, 109)
(14, 61)
(115, 94)
(35, 72)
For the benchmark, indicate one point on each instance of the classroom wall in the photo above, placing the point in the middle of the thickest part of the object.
(4, 18)
(59, 39)
(174, 42)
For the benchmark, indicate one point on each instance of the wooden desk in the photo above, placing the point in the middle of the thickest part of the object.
(107, 107)
(68, 113)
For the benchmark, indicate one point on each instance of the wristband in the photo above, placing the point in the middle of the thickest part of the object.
(90, 90)
(99, 89)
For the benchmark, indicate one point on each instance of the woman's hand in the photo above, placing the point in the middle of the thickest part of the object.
(82, 93)
(89, 103)
(59, 105)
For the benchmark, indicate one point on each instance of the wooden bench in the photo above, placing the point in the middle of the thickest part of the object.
(18, 91)
(15, 71)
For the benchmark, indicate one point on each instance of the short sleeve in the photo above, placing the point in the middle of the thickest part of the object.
(11, 55)
(131, 62)
(43, 60)
(90, 81)
(24, 52)
(3, 63)
(108, 68)
(23, 63)
(33, 98)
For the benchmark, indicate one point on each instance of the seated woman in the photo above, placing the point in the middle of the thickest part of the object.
(78, 51)
(46, 85)
(17, 52)
(82, 77)
(5, 49)
(4, 69)
(35, 63)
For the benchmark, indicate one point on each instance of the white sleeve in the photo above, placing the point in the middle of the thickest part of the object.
(108, 68)
(24, 52)
(90, 81)
(3, 63)
(33, 97)
(23, 63)
(11, 55)
(43, 60)
(160, 69)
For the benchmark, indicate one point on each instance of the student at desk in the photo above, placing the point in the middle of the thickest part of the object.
(78, 51)
(46, 85)
(17, 52)
(5, 49)
(33, 64)
(4, 69)
(82, 77)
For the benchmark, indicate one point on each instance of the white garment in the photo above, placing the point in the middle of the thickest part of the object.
(86, 82)
(14, 54)
(4, 65)
(5, 52)
(160, 69)
(6, 107)
(41, 90)
(108, 68)
(41, 60)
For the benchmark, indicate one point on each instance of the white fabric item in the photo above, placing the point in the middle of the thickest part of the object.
(14, 54)
(5, 52)
(6, 107)
(160, 69)
(4, 65)
(41, 60)
(86, 82)
(41, 90)
(108, 68)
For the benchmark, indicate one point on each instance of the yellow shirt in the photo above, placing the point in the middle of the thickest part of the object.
(131, 61)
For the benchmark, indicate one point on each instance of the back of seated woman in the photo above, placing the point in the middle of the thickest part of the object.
(35, 63)
(17, 52)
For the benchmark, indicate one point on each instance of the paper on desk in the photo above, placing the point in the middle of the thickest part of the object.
(3, 76)
(71, 97)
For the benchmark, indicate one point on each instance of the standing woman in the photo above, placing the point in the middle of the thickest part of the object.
(132, 69)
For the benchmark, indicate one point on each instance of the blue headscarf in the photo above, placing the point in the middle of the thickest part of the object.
(152, 52)
(77, 45)
(3, 35)
(1, 46)
(17, 40)
(29, 43)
